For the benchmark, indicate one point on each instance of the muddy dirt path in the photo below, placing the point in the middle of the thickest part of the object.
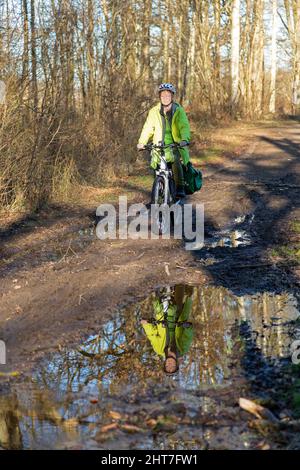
(60, 284)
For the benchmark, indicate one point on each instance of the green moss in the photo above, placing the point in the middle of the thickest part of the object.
(295, 390)
(296, 404)
(288, 252)
(295, 226)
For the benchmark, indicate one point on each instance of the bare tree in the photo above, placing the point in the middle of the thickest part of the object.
(292, 12)
(273, 58)
(235, 53)
(33, 56)
(87, 68)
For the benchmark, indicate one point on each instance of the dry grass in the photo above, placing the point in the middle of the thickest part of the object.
(50, 156)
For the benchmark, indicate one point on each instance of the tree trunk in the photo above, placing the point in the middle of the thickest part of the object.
(25, 58)
(296, 64)
(145, 44)
(235, 55)
(33, 56)
(273, 58)
(91, 58)
(257, 54)
(166, 43)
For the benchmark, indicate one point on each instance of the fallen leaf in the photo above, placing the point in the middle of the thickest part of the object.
(151, 422)
(115, 415)
(131, 428)
(109, 427)
(257, 410)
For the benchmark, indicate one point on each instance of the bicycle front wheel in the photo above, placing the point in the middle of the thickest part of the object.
(158, 191)
(160, 221)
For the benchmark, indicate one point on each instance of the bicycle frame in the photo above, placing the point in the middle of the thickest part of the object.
(163, 170)
(165, 299)
(166, 173)
(169, 190)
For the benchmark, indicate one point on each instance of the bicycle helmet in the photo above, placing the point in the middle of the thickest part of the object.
(167, 86)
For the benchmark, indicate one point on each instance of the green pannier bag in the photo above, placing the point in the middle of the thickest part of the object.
(192, 178)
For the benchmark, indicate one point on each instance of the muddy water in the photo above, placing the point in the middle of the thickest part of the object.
(237, 235)
(113, 392)
(232, 239)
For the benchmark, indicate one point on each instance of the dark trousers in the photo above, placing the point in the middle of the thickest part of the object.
(177, 170)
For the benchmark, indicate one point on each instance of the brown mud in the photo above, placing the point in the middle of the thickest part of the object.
(61, 285)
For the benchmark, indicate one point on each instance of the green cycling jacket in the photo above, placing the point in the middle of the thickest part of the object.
(155, 128)
(158, 334)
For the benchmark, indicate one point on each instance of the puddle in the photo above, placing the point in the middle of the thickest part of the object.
(113, 392)
(237, 236)
(232, 239)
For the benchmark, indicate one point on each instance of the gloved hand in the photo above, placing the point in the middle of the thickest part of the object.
(140, 146)
(183, 143)
(184, 165)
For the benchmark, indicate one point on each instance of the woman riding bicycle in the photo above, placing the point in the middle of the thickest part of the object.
(166, 123)
(170, 332)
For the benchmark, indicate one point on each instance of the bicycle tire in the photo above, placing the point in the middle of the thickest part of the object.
(157, 197)
(158, 190)
(172, 191)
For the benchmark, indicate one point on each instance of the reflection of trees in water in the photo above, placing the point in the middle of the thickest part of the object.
(121, 354)
(120, 360)
(118, 354)
(10, 434)
(214, 314)
(31, 416)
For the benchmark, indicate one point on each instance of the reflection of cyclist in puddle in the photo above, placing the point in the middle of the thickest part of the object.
(170, 332)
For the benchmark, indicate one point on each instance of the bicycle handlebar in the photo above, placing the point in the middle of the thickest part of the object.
(161, 147)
